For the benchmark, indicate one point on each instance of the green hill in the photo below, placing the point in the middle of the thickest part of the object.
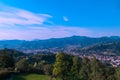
(112, 48)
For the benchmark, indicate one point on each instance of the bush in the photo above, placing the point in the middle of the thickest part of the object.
(4, 73)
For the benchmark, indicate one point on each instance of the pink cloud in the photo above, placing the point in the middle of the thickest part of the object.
(44, 32)
(17, 23)
(13, 16)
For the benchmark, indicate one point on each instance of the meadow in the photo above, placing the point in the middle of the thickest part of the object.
(32, 77)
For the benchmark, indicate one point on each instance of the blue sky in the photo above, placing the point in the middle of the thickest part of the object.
(43, 19)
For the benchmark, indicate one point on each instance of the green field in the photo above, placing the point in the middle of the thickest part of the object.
(32, 77)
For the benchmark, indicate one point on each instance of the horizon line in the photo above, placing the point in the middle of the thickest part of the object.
(59, 38)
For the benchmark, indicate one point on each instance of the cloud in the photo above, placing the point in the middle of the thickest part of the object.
(12, 16)
(109, 31)
(65, 18)
(44, 32)
(17, 23)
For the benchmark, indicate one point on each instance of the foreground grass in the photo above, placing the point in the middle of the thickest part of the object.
(32, 77)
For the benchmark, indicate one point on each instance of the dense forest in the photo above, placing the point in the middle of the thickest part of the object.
(60, 65)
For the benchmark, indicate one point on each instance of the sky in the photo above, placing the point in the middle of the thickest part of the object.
(44, 19)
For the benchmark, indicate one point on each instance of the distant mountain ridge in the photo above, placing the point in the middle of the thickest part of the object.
(56, 43)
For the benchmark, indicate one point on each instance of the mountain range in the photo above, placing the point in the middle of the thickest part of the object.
(57, 44)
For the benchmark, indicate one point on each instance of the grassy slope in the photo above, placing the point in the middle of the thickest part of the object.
(32, 77)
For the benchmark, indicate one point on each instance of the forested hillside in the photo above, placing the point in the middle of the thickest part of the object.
(55, 43)
(112, 48)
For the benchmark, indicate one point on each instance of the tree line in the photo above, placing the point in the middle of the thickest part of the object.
(69, 67)
(60, 65)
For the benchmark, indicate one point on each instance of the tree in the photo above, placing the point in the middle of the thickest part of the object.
(117, 73)
(22, 65)
(6, 59)
(62, 66)
(75, 68)
(85, 69)
(97, 70)
(110, 73)
(48, 68)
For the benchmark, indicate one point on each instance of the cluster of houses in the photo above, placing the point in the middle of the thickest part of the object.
(112, 60)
